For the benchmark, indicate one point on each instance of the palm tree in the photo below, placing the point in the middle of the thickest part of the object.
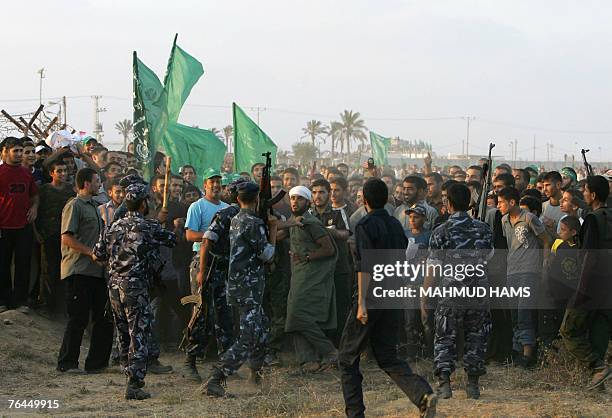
(304, 152)
(315, 129)
(335, 133)
(125, 128)
(353, 128)
(228, 134)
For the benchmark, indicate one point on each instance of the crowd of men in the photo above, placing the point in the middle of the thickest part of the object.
(85, 238)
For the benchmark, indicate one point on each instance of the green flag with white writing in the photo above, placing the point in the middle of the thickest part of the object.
(150, 115)
(380, 149)
(249, 142)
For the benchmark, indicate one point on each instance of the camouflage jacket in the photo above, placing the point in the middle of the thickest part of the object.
(461, 241)
(219, 232)
(131, 248)
(249, 250)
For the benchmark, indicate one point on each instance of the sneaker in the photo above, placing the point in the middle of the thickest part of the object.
(600, 375)
(156, 367)
(3, 308)
(427, 408)
(23, 309)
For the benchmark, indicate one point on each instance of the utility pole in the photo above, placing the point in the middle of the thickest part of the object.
(64, 109)
(97, 130)
(462, 147)
(259, 109)
(534, 147)
(467, 136)
(41, 72)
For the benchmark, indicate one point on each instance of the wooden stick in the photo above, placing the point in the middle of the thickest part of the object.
(26, 129)
(48, 128)
(35, 128)
(40, 108)
(167, 182)
(9, 117)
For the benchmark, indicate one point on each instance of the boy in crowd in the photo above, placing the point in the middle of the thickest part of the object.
(115, 192)
(53, 197)
(524, 234)
(561, 278)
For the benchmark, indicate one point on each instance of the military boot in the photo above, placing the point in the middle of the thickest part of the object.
(189, 369)
(444, 386)
(472, 389)
(215, 384)
(155, 367)
(134, 390)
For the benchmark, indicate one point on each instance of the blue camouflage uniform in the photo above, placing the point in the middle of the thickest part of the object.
(131, 248)
(249, 250)
(461, 240)
(219, 315)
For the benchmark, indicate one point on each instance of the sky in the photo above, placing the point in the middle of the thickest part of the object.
(412, 69)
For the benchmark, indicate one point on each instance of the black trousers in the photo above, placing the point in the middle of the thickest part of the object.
(53, 288)
(86, 296)
(15, 243)
(381, 331)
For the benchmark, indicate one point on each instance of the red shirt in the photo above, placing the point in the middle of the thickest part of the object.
(16, 187)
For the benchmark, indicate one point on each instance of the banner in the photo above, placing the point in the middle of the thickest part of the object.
(249, 142)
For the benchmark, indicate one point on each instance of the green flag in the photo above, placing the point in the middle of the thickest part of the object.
(197, 147)
(182, 74)
(380, 146)
(149, 113)
(249, 142)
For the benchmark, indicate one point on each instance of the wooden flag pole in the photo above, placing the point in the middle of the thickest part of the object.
(167, 182)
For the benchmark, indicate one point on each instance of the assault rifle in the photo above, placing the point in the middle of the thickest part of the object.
(587, 166)
(487, 171)
(200, 302)
(266, 201)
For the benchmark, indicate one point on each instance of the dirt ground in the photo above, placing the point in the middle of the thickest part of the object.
(29, 346)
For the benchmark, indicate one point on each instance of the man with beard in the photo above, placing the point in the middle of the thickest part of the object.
(521, 179)
(311, 307)
(414, 192)
(86, 290)
(336, 223)
(377, 327)
(434, 193)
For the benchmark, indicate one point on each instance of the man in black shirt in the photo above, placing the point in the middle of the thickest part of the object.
(378, 230)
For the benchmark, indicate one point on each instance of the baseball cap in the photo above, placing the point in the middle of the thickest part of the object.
(417, 208)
